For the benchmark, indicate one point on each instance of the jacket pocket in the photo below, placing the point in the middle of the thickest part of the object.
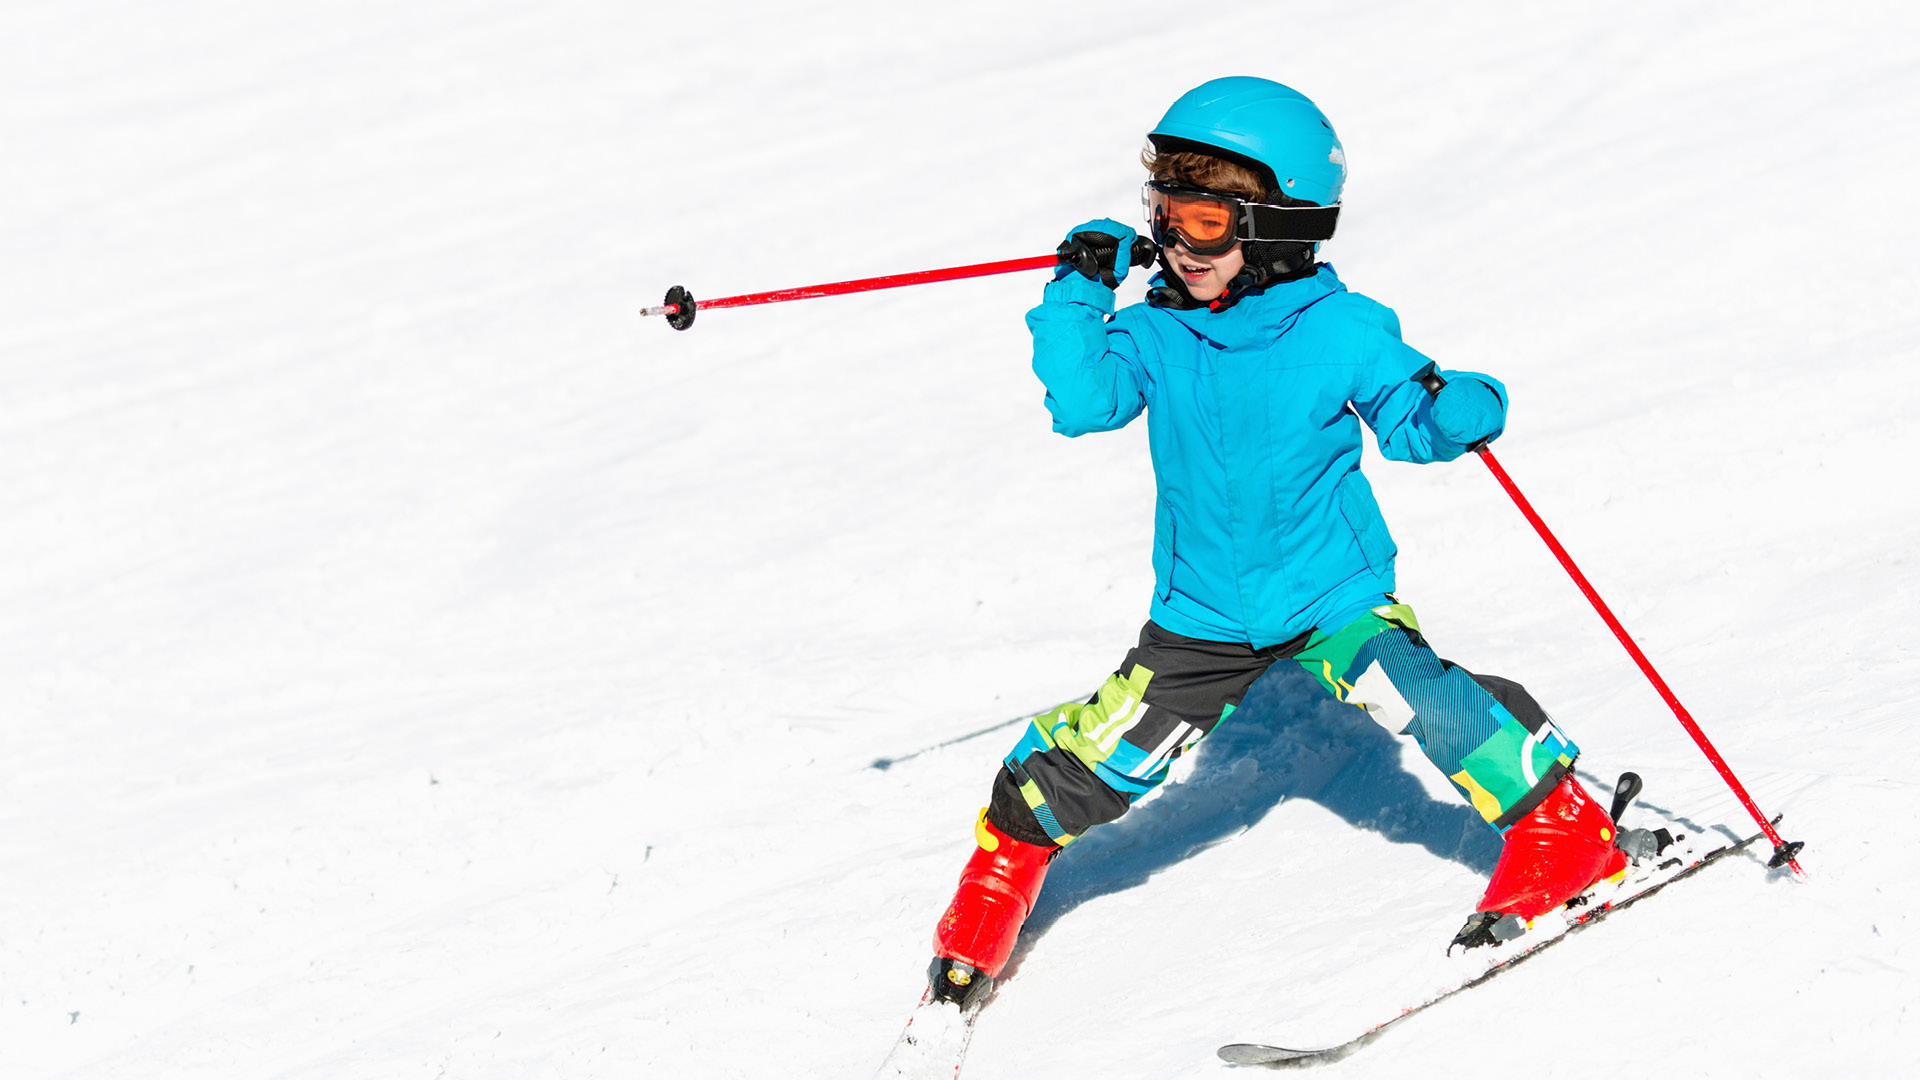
(1163, 530)
(1357, 505)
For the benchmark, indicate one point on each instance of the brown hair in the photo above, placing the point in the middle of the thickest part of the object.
(1191, 169)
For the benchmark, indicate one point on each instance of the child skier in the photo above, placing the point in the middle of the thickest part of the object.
(1256, 366)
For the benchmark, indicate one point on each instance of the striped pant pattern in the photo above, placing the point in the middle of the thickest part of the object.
(1084, 763)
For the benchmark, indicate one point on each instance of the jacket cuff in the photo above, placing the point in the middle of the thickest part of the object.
(1077, 289)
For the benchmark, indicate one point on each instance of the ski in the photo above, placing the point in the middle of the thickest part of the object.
(1577, 919)
(934, 1043)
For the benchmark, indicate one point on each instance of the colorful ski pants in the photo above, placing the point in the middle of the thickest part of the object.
(1083, 764)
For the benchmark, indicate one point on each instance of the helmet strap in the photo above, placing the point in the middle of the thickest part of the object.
(1276, 261)
(1268, 262)
(1282, 260)
(1174, 293)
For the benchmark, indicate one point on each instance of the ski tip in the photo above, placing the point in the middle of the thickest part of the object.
(1257, 1054)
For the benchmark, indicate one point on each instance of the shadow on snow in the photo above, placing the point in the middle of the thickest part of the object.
(1288, 740)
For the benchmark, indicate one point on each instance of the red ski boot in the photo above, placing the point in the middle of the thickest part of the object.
(975, 936)
(1562, 846)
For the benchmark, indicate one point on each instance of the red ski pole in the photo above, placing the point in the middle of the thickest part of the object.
(1078, 250)
(680, 306)
(1784, 853)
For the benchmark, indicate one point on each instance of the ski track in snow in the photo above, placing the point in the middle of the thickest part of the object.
(414, 664)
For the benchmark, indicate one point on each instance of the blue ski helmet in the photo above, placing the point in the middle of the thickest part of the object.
(1272, 129)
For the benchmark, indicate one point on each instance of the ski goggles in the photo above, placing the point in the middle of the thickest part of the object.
(1210, 223)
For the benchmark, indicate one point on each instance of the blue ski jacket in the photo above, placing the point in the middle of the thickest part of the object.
(1265, 527)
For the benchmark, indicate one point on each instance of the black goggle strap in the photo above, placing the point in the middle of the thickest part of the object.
(1264, 221)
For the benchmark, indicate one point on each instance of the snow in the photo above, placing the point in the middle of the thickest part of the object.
(416, 664)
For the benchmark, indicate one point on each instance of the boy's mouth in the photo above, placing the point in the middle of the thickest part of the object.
(1193, 271)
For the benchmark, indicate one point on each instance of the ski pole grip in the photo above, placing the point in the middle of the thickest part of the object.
(1429, 377)
(1086, 255)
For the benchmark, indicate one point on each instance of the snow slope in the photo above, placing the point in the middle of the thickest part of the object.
(415, 664)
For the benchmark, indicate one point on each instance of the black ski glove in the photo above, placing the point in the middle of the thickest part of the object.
(1093, 250)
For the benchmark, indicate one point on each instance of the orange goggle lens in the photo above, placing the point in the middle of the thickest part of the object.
(1204, 222)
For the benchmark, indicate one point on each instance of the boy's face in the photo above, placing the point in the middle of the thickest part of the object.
(1206, 276)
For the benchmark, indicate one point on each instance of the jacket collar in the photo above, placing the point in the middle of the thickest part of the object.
(1261, 314)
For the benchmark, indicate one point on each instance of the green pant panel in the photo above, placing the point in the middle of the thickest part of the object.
(1085, 763)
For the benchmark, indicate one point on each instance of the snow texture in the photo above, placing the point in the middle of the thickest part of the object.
(415, 664)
